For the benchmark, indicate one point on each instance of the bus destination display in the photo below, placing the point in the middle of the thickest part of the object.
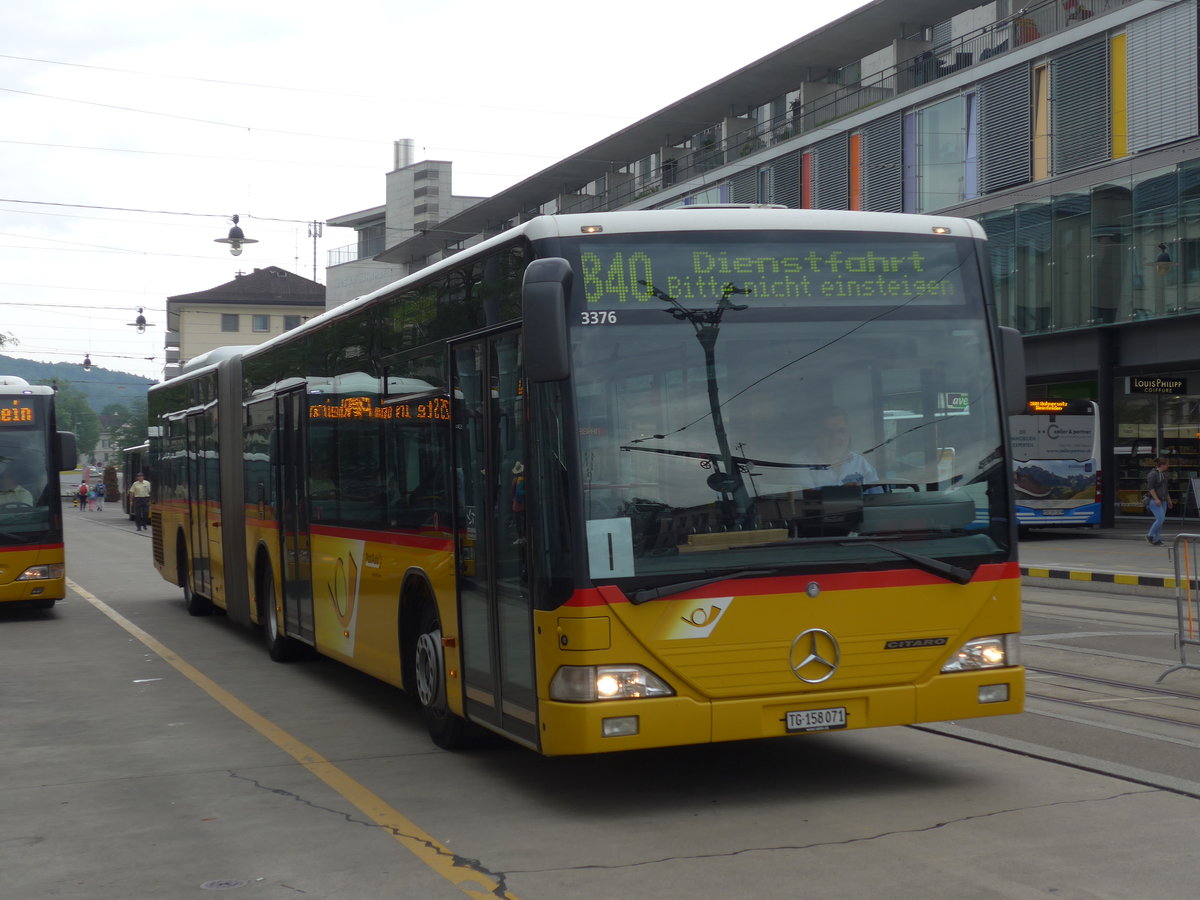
(637, 276)
(17, 412)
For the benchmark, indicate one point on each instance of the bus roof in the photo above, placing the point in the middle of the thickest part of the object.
(13, 384)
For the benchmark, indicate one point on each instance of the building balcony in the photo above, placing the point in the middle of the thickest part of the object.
(363, 249)
(830, 102)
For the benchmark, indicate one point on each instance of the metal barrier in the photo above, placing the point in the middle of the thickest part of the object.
(1186, 551)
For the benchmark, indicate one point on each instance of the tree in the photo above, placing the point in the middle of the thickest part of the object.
(74, 414)
(115, 409)
(132, 431)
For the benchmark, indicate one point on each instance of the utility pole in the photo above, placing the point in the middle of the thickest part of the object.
(314, 231)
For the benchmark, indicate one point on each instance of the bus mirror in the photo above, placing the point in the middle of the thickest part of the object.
(544, 307)
(65, 455)
(1012, 363)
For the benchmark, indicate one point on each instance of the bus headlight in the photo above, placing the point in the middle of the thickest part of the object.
(587, 684)
(985, 653)
(43, 573)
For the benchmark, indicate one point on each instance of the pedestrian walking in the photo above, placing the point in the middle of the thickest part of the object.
(82, 496)
(139, 493)
(101, 490)
(1158, 499)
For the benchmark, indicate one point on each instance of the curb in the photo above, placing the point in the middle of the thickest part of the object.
(1113, 582)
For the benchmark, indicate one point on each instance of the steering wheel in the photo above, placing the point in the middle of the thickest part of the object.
(15, 507)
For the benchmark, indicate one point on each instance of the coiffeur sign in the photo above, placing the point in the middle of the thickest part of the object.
(1157, 384)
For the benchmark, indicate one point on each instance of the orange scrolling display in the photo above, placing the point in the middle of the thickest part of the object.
(437, 409)
(17, 413)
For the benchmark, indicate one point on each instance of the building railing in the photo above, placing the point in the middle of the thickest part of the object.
(1033, 23)
(363, 249)
(619, 189)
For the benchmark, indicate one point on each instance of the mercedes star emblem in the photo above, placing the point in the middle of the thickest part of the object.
(815, 655)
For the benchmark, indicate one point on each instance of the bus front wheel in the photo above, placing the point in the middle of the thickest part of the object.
(447, 730)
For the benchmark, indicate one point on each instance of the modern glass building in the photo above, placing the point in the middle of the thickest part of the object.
(1068, 128)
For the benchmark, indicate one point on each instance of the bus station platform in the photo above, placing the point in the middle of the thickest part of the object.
(1113, 560)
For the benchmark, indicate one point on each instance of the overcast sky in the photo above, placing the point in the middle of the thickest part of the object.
(131, 132)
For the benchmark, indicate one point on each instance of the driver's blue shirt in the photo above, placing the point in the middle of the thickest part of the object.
(854, 469)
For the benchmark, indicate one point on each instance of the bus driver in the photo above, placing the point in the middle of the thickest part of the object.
(11, 492)
(830, 454)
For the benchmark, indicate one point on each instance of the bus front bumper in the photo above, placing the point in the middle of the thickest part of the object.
(39, 582)
(577, 728)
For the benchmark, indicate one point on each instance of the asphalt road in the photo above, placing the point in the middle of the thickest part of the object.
(147, 754)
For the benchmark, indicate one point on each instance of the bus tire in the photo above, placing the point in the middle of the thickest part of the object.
(280, 647)
(192, 602)
(446, 729)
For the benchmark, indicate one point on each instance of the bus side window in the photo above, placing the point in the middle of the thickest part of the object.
(418, 494)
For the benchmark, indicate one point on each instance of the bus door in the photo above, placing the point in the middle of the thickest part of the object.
(292, 503)
(495, 610)
(199, 505)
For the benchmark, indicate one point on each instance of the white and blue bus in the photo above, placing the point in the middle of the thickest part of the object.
(1056, 463)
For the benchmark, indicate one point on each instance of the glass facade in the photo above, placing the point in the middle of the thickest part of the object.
(1120, 251)
(946, 156)
(1124, 250)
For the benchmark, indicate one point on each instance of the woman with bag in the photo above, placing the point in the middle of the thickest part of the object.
(1159, 500)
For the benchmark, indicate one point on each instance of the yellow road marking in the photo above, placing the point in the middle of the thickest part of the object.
(458, 870)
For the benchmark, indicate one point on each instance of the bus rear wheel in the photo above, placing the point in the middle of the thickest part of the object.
(280, 647)
(446, 729)
(192, 602)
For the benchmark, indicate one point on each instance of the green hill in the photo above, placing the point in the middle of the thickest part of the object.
(102, 386)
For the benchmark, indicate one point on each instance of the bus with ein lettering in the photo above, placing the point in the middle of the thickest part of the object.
(32, 452)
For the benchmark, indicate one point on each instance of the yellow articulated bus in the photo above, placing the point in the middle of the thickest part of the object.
(32, 452)
(626, 480)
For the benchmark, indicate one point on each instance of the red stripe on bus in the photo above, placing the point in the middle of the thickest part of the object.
(794, 584)
(25, 548)
(398, 538)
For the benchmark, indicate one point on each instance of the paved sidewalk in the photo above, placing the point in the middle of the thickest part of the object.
(1118, 558)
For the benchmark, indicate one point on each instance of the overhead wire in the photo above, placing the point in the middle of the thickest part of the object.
(591, 114)
(42, 207)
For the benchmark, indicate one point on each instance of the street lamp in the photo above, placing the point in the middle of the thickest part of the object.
(140, 322)
(235, 239)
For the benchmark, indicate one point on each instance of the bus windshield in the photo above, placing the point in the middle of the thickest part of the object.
(26, 493)
(755, 401)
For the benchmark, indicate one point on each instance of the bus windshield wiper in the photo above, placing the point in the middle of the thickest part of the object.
(679, 587)
(946, 570)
